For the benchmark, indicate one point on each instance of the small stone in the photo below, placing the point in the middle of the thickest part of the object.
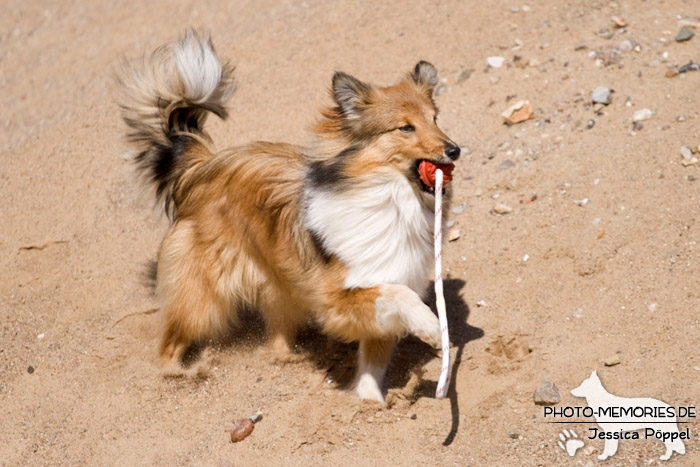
(495, 61)
(414, 417)
(612, 360)
(618, 22)
(481, 303)
(526, 258)
(453, 235)
(580, 46)
(671, 73)
(628, 45)
(256, 417)
(546, 394)
(691, 22)
(30, 370)
(605, 33)
(502, 209)
(684, 34)
(692, 161)
(641, 115)
(449, 224)
(686, 153)
(578, 313)
(582, 201)
(652, 307)
(513, 435)
(590, 124)
(241, 429)
(41, 336)
(691, 66)
(478, 192)
(518, 112)
(602, 95)
(464, 75)
(637, 126)
(459, 209)
(681, 118)
(505, 165)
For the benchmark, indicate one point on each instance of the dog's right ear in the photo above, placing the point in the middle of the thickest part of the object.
(350, 94)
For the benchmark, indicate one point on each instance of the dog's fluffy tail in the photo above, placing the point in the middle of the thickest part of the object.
(166, 98)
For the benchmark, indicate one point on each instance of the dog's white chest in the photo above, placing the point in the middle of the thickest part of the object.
(382, 233)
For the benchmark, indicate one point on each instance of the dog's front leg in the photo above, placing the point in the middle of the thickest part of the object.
(377, 316)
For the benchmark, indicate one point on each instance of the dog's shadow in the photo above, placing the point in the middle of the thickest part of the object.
(338, 360)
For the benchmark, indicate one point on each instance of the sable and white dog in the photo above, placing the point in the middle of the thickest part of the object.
(341, 233)
(605, 406)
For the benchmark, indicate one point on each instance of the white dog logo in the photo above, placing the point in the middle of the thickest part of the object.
(618, 416)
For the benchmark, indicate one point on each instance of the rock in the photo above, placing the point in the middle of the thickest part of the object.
(612, 360)
(691, 66)
(652, 307)
(686, 153)
(672, 73)
(513, 435)
(464, 75)
(605, 33)
(580, 46)
(459, 209)
(481, 303)
(502, 209)
(637, 126)
(641, 115)
(590, 124)
(241, 429)
(453, 235)
(449, 224)
(685, 34)
(546, 394)
(582, 202)
(602, 95)
(505, 165)
(690, 22)
(627, 45)
(495, 61)
(618, 22)
(518, 112)
(687, 162)
(30, 369)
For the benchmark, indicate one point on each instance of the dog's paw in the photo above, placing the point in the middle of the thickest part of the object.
(367, 388)
(401, 311)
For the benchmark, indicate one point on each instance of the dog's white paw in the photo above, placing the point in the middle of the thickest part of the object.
(400, 310)
(569, 442)
(367, 387)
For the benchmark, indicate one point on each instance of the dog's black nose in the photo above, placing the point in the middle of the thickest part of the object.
(452, 151)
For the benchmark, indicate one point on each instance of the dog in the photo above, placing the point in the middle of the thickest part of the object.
(604, 404)
(340, 233)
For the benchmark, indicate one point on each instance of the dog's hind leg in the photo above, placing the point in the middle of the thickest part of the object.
(283, 319)
(372, 360)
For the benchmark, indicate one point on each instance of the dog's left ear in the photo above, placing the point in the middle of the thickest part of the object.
(350, 94)
(425, 76)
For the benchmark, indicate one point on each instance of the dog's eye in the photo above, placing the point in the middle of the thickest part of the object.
(407, 129)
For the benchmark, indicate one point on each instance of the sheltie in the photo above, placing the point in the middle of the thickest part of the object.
(340, 233)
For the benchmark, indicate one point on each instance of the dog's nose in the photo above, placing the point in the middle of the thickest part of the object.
(452, 151)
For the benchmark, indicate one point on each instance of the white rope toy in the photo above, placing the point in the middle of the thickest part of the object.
(444, 380)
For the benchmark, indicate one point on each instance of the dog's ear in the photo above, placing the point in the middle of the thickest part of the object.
(425, 76)
(350, 94)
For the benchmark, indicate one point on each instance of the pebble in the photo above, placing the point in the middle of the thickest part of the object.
(590, 124)
(580, 46)
(518, 112)
(686, 152)
(414, 417)
(605, 33)
(684, 34)
(449, 224)
(641, 115)
(513, 435)
(30, 370)
(602, 95)
(612, 360)
(637, 126)
(628, 45)
(459, 209)
(546, 394)
(652, 307)
(453, 235)
(691, 66)
(619, 22)
(505, 165)
(464, 75)
(526, 258)
(495, 61)
(481, 303)
(582, 201)
(501, 208)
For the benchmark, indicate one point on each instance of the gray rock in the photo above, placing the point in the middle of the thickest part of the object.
(546, 394)
(692, 66)
(686, 153)
(684, 35)
(505, 165)
(602, 95)
(459, 209)
(464, 75)
(627, 45)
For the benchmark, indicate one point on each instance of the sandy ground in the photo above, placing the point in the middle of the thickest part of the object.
(563, 286)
